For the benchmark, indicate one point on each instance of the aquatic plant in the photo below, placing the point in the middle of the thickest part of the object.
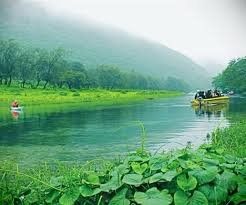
(187, 177)
(232, 139)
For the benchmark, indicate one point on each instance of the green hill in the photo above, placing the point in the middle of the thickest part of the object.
(94, 44)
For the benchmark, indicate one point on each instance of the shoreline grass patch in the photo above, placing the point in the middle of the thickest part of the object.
(32, 97)
(232, 139)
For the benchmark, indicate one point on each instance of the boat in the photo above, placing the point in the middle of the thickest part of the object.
(16, 109)
(210, 101)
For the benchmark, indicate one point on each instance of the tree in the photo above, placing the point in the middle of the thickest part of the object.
(10, 51)
(108, 76)
(233, 77)
(25, 63)
(53, 63)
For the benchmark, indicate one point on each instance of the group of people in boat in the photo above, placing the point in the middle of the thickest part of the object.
(207, 94)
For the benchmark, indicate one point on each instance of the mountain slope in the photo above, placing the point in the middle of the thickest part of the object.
(94, 44)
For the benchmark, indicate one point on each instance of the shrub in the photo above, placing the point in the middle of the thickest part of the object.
(76, 94)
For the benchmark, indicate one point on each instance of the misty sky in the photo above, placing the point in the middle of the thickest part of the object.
(205, 30)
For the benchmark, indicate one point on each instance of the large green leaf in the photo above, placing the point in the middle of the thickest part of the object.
(227, 180)
(122, 169)
(211, 161)
(113, 184)
(242, 169)
(52, 196)
(139, 168)
(56, 181)
(170, 174)
(93, 179)
(188, 164)
(70, 196)
(240, 196)
(156, 177)
(214, 193)
(186, 183)
(134, 158)
(204, 176)
(156, 162)
(87, 191)
(181, 198)
(153, 197)
(198, 198)
(132, 179)
(120, 198)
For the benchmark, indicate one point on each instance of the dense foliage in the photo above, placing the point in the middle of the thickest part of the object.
(233, 77)
(232, 139)
(41, 67)
(184, 177)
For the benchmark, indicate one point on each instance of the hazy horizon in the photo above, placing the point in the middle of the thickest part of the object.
(206, 31)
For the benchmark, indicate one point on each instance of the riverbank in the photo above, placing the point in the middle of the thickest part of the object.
(94, 97)
(232, 139)
(208, 175)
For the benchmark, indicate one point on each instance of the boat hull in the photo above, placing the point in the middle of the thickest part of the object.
(210, 101)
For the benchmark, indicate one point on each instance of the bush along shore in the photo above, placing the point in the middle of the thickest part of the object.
(233, 138)
(183, 177)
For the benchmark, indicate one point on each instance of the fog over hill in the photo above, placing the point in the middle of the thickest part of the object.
(94, 44)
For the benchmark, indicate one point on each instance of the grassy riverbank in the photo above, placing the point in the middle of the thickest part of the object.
(232, 139)
(90, 97)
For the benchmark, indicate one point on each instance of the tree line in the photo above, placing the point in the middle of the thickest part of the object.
(233, 77)
(38, 67)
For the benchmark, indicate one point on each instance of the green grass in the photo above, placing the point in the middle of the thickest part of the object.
(203, 176)
(32, 97)
(232, 139)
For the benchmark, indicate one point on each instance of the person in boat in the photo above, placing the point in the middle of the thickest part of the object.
(217, 93)
(15, 104)
(200, 94)
(209, 94)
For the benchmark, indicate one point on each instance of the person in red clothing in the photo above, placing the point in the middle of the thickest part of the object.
(15, 103)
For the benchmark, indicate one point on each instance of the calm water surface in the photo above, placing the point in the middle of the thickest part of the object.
(81, 135)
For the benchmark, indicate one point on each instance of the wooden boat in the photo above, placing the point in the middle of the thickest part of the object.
(210, 101)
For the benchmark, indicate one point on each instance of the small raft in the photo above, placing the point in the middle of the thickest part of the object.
(16, 109)
(210, 101)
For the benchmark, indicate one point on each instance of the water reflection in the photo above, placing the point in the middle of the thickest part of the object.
(212, 110)
(16, 113)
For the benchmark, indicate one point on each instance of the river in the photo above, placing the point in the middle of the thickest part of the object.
(80, 135)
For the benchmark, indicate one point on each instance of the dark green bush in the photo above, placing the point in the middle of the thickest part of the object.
(76, 94)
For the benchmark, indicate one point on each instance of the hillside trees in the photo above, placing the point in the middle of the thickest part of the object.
(233, 77)
(176, 84)
(41, 68)
(25, 63)
(9, 55)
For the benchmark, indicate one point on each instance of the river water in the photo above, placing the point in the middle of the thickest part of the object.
(80, 135)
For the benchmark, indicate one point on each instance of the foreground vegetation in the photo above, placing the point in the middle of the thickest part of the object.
(208, 175)
(185, 177)
(232, 139)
